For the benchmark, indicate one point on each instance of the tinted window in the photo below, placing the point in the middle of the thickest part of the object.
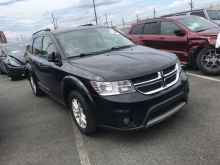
(167, 28)
(198, 13)
(48, 46)
(152, 28)
(37, 46)
(138, 29)
(214, 14)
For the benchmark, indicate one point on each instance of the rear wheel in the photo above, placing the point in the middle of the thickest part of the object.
(37, 91)
(81, 114)
(208, 61)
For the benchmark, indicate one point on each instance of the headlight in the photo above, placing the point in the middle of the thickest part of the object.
(178, 67)
(13, 63)
(113, 88)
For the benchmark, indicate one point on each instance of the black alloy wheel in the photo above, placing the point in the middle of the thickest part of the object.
(208, 61)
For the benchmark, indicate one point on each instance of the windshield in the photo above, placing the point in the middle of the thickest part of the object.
(89, 41)
(214, 14)
(197, 24)
(16, 48)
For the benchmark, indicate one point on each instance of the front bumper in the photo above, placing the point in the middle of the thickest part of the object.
(136, 111)
(16, 71)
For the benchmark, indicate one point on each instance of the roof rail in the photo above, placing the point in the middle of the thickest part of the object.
(41, 31)
(90, 24)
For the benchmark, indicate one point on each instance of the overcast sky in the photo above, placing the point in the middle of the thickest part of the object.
(24, 17)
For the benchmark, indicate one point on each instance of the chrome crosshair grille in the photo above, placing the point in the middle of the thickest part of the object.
(158, 81)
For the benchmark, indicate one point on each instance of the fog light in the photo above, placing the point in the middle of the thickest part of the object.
(126, 121)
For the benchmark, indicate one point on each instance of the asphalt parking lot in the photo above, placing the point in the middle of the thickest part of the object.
(39, 130)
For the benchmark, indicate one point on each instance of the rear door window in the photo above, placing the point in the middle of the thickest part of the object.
(138, 29)
(152, 28)
(167, 28)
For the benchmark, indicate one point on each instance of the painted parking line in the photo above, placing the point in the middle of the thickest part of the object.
(204, 77)
(83, 156)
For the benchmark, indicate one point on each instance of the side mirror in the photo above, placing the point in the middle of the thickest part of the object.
(53, 57)
(27, 48)
(180, 32)
(2, 54)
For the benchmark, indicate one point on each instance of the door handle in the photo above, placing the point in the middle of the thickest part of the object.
(161, 38)
(141, 37)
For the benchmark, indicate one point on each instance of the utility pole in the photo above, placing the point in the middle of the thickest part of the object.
(56, 24)
(111, 23)
(53, 22)
(137, 17)
(154, 12)
(211, 6)
(191, 5)
(95, 13)
(18, 39)
(123, 23)
(106, 19)
(21, 38)
(100, 21)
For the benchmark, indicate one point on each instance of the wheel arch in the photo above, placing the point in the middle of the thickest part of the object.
(71, 83)
(195, 54)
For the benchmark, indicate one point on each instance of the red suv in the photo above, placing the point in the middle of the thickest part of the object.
(193, 39)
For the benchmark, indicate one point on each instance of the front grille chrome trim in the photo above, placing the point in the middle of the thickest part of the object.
(161, 78)
(145, 82)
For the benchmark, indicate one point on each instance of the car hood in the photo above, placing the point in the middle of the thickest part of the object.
(209, 32)
(19, 57)
(126, 63)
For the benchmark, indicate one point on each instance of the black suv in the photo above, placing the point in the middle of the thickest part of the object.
(105, 79)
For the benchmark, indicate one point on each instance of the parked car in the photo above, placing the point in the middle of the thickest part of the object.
(12, 61)
(105, 79)
(211, 15)
(191, 38)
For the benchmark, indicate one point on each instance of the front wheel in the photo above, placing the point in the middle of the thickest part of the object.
(208, 61)
(37, 91)
(81, 114)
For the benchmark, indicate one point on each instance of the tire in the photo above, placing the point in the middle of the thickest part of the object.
(37, 91)
(208, 61)
(81, 114)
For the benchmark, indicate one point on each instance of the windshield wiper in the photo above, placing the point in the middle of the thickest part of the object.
(81, 55)
(120, 47)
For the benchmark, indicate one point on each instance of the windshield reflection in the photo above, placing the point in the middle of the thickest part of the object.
(95, 40)
(197, 24)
